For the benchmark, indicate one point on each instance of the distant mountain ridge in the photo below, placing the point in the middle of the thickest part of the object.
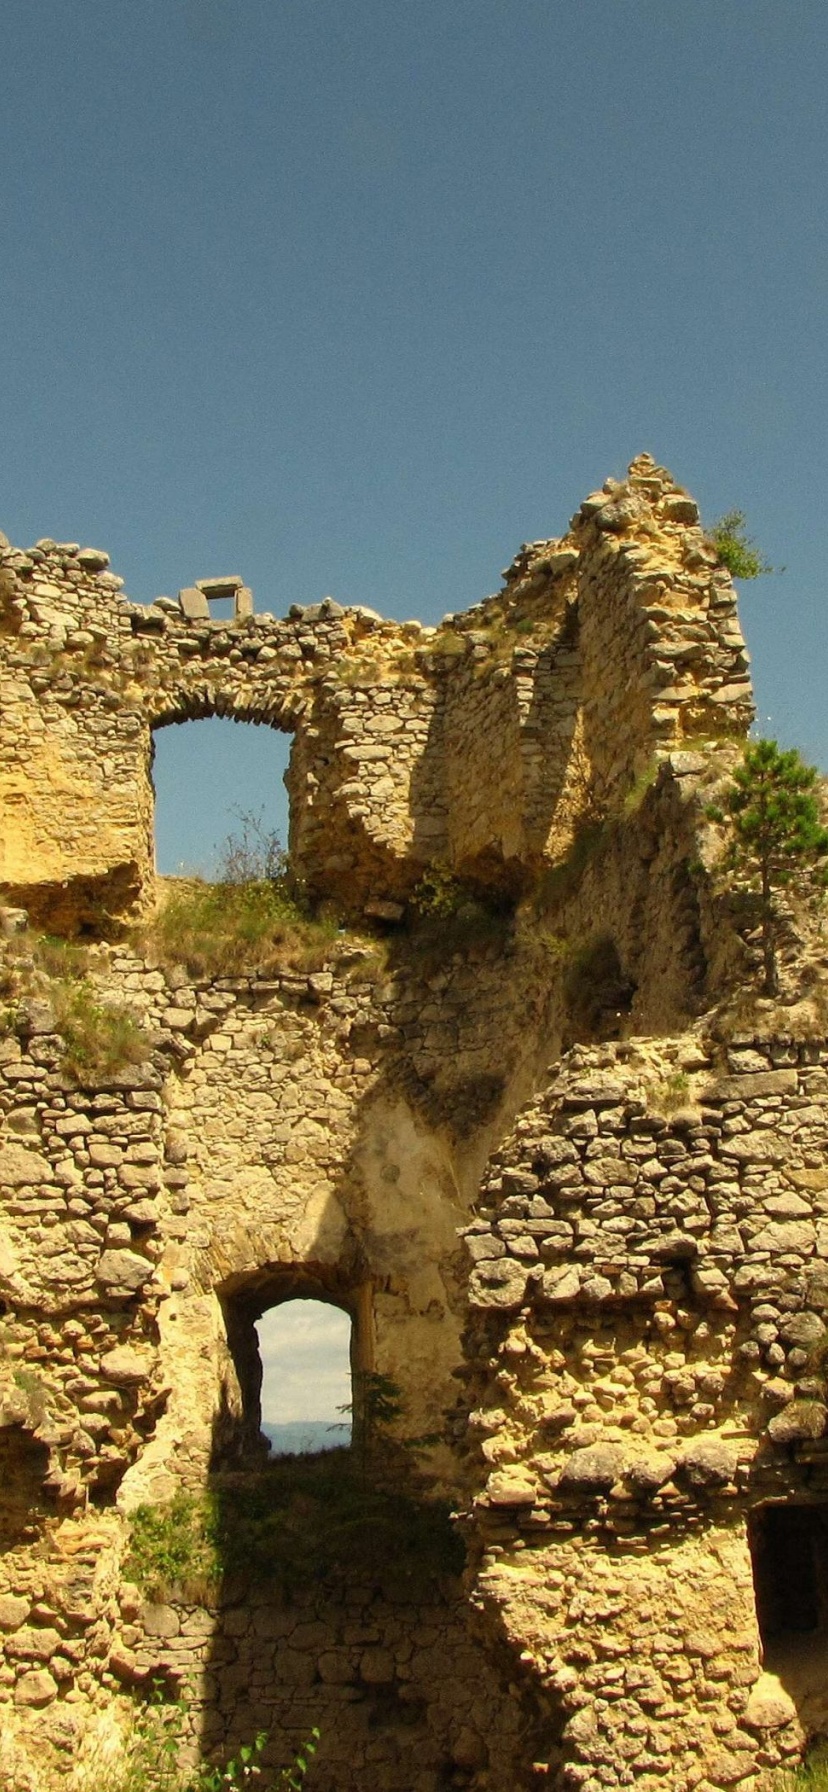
(303, 1436)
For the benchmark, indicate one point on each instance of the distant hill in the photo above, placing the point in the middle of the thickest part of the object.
(300, 1437)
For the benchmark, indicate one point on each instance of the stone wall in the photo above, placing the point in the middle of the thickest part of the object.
(479, 743)
(584, 1243)
(651, 1275)
(406, 1697)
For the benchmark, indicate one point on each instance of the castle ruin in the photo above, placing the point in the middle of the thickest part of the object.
(563, 1167)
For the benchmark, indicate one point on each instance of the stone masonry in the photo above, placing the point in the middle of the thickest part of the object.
(573, 1195)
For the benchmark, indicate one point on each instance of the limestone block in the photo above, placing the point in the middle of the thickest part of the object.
(562, 1283)
(92, 559)
(593, 1469)
(123, 1272)
(801, 1420)
(160, 1621)
(30, 1643)
(125, 1365)
(786, 1235)
(377, 1667)
(764, 1147)
(104, 1156)
(194, 604)
(483, 1248)
(19, 1166)
(649, 1472)
(769, 1706)
(707, 1462)
(767, 1082)
(500, 1284)
(217, 587)
(508, 1487)
(594, 1092)
(803, 1329)
(14, 1610)
(35, 1688)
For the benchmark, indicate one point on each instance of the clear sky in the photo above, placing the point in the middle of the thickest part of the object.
(353, 296)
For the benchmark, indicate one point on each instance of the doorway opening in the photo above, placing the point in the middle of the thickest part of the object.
(789, 1552)
(300, 1339)
(306, 1394)
(208, 775)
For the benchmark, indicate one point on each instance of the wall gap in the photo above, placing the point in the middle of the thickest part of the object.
(208, 774)
(789, 1552)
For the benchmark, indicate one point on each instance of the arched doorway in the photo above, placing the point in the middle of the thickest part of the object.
(299, 1337)
(207, 775)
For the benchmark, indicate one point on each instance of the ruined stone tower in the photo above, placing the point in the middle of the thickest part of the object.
(566, 1174)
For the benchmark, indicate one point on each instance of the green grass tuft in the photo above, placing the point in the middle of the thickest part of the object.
(100, 1038)
(299, 1520)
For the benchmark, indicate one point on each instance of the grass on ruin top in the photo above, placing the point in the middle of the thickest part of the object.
(230, 929)
(252, 918)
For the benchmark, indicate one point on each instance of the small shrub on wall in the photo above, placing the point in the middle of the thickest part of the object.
(150, 1757)
(737, 550)
(100, 1038)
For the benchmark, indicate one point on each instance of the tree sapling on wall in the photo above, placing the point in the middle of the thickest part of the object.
(777, 840)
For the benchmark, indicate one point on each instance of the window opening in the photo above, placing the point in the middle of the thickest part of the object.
(789, 1551)
(207, 774)
(216, 599)
(305, 1351)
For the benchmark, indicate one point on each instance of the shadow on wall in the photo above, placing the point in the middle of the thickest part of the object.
(789, 1551)
(335, 1599)
(25, 1504)
(341, 1608)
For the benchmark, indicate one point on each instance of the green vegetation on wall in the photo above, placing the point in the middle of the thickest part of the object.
(252, 917)
(303, 1519)
(737, 550)
(776, 838)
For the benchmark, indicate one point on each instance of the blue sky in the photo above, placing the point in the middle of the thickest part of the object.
(354, 297)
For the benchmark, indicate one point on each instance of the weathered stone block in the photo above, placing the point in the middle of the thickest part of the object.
(593, 1469)
(123, 1272)
(36, 1687)
(500, 1284)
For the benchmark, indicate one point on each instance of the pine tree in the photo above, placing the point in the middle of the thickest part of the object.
(777, 840)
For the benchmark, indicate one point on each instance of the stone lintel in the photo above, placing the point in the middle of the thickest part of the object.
(220, 587)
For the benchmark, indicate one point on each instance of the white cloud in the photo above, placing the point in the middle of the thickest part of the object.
(304, 1347)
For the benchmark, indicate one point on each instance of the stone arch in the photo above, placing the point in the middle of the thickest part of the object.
(181, 705)
(184, 704)
(244, 1297)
